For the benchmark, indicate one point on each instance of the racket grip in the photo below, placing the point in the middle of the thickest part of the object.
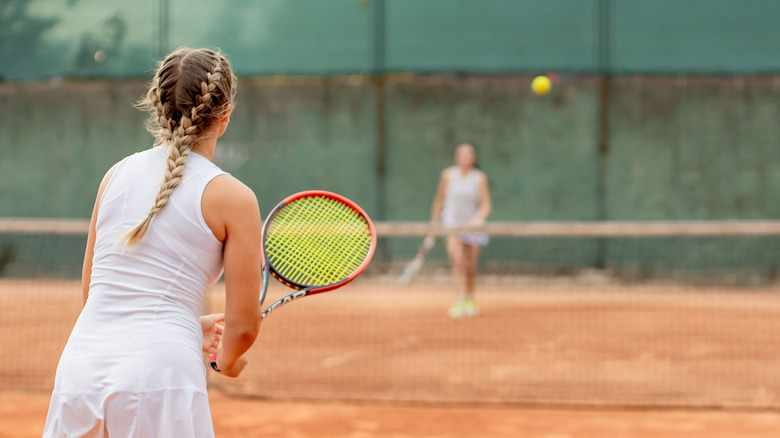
(213, 362)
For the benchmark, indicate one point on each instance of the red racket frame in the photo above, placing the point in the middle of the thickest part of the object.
(302, 291)
(343, 200)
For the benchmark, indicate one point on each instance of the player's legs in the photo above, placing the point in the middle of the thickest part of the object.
(457, 276)
(470, 257)
(463, 259)
(456, 253)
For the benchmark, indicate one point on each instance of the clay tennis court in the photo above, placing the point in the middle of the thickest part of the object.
(542, 361)
(22, 415)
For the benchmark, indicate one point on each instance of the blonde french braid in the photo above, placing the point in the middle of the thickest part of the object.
(181, 109)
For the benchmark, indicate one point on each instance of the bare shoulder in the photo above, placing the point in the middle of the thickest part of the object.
(481, 176)
(227, 190)
(228, 203)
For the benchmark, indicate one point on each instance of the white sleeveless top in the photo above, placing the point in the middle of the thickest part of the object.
(179, 256)
(461, 197)
(133, 365)
(461, 203)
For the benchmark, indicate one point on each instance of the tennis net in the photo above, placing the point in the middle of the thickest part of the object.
(655, 314)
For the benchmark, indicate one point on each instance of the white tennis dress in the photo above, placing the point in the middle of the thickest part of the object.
(133, 365)
(461, 204)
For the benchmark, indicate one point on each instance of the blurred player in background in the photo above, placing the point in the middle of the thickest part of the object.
(462, 199)
(133, 364)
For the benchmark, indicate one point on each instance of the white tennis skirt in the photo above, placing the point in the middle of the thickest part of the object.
(164, 413)
(478, 239)
(125, 381)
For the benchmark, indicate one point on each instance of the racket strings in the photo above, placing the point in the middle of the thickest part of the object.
(320, 230)
(309, 225)
(317, 241)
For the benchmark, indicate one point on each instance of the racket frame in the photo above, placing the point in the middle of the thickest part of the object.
(318, 289)
(302, 291)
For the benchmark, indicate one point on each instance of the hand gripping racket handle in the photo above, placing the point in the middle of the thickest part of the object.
(292, 297)
(213, 362)
(213, 356)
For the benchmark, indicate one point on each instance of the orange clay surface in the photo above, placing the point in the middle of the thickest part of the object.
(22, 416)
(421, 374)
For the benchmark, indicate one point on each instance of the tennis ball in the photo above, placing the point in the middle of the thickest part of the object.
(541, 85)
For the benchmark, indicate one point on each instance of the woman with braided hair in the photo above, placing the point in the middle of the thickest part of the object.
(166, 223)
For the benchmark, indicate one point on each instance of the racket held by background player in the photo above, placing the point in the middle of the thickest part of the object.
(413, 267)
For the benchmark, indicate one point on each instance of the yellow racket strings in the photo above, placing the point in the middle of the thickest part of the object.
(317, 241)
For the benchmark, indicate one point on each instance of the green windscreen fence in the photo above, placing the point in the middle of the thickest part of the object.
(273, 37)
(89, 38)
(77, 38)
(693, 148)
(497, 35)
(678, 148)
(696, 36)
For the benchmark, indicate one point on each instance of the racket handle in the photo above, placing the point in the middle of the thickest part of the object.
(293, 296)
(213, 362)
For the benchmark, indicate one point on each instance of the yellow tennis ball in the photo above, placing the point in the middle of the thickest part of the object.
(541, 85)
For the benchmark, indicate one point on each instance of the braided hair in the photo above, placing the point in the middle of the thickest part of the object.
(191, 89)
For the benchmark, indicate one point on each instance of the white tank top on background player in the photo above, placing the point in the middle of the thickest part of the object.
(462, 202)
(133, 364)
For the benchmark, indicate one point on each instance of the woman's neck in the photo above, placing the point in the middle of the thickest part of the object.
(464, 170)
(206, 145)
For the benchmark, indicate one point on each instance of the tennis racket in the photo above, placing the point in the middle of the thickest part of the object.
(314, 242)
(413, 267)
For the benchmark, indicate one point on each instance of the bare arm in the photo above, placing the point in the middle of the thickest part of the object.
(438, 200)
(485, 204)
(231, 211)
(89, 253)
